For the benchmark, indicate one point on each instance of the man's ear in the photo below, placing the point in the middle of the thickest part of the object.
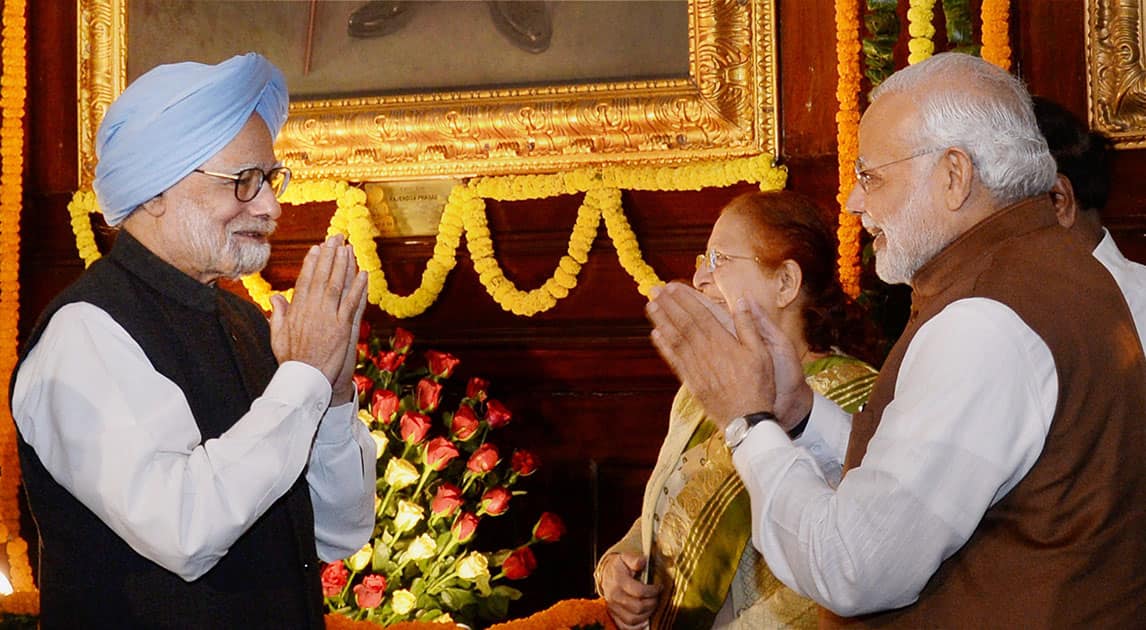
(959, 177)
(790, 278)
(1065, 204)
(154, 207)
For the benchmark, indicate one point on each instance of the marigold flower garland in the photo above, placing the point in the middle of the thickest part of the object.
(847, 130)
(996, 36)
(465, 213)
(13, 81)
(920, 18)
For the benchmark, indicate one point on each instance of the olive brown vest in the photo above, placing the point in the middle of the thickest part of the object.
(1066, 547)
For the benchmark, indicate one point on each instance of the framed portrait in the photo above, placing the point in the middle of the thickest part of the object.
(385, 90)
(1116, 70)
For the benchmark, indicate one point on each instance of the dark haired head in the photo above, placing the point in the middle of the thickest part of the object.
(1080, 154)
(790, 226)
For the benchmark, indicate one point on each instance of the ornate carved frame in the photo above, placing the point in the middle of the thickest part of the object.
(1116, 69)
(727, 107)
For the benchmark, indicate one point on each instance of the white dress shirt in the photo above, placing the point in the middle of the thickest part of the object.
(122, 439)
(974, 399)
(1131, 279)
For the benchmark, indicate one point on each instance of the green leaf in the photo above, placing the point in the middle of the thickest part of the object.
(508, 592)
(494, 607)
(456, 598)
(497, 558)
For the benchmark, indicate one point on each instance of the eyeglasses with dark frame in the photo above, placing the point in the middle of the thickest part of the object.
(713, 259)
(249, 181)
(865, 176)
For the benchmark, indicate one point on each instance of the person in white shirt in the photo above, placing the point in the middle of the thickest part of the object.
(1080, 192)
(994, 479)
(186, 462)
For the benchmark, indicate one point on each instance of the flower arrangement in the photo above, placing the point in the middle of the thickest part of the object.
(440, 476)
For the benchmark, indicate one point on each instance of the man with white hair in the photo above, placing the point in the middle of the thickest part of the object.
(188, 464)
(995, 477)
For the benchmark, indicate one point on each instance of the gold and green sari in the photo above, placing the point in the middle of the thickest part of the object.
(696, 520)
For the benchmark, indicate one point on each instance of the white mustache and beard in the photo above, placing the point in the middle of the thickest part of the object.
(912, 239)
(222, 251)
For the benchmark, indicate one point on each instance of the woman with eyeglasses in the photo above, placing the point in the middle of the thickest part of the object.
(688, 562)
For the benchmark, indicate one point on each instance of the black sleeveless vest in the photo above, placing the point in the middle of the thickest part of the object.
(216, 348)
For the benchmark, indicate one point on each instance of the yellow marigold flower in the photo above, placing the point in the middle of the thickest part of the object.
(409, 515)
(403, 601)
(473, 566)
(400, 473)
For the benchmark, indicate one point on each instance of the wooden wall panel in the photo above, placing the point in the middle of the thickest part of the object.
(589, 392)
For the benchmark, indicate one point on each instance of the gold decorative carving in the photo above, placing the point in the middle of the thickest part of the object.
(725, 108)
(1116, 69)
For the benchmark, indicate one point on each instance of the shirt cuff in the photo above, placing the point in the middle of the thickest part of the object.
(300, 385)
(337, 426)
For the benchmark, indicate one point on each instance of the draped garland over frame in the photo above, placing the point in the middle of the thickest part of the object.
(995, 15)
(465, 214)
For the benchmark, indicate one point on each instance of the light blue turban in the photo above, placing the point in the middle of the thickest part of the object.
(174, 118)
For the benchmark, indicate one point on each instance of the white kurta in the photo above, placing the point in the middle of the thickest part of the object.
(974, 399)
(122, 439)
(1131, 279)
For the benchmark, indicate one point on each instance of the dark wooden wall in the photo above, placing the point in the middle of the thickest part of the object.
(589, 392)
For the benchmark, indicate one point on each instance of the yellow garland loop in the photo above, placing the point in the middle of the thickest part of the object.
(996, 38)
(920, 17)
(847, 130)
(465, 213)
(14, 81)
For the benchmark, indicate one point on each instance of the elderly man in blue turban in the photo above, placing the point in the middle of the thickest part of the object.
(187, 462)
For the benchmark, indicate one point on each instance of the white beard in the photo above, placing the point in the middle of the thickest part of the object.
(221, 252)
(915, 238)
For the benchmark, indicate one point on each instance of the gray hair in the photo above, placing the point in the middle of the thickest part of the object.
(987, 112)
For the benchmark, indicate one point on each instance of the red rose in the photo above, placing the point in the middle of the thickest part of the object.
(363, 384)
(428, 393)
(447, 499)
(440, 452)
(384, 405)
(334, 577)
(519, 564)
(414, 427)
(464, 527)
(442, 364)
(549, 528)
(364, 330)
(464, 423)
(402, 340)
(524, 462)
(389, 361)
(363, 351)
(483, 459)
(368, 594)
(476, 388)
(495, 501)
(496, 414)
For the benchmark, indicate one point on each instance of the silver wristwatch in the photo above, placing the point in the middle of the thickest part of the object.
(738, 429)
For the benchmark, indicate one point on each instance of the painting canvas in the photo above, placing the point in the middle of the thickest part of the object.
(459, 88)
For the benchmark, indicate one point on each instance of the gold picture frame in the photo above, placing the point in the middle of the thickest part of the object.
(1116, 70)
(727, 107)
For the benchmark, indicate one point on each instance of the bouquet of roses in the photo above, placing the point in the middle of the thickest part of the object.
(439, 478)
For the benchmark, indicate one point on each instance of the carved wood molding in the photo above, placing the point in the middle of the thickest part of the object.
(1116, 70)
(727, 107)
